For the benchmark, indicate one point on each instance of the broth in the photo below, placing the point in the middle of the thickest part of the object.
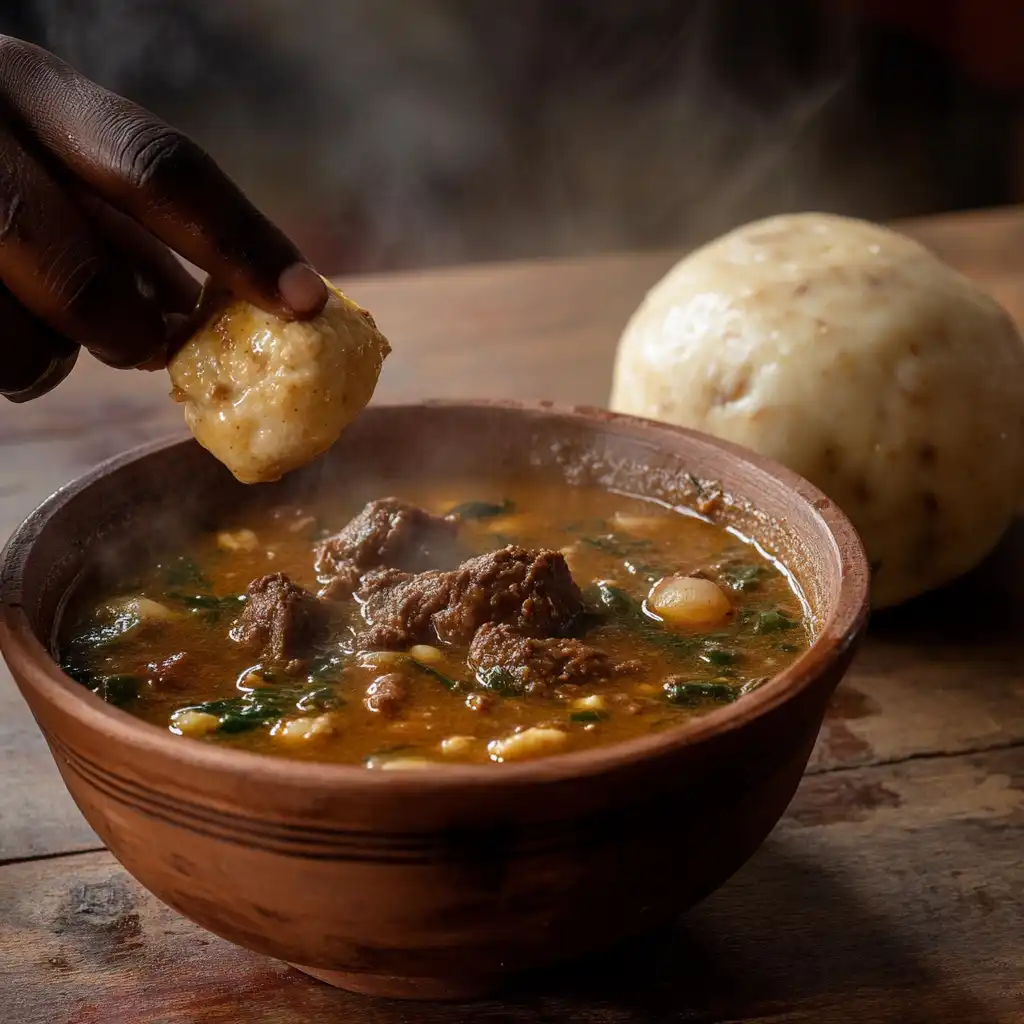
(171, 643)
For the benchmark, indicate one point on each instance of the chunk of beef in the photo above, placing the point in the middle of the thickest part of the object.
(399, 608)
(386, 694)
(388, 533)
(530, 590)
(534, 664)
(279, 619)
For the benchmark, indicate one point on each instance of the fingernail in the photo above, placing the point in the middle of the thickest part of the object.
(302, 289)
(58, 368)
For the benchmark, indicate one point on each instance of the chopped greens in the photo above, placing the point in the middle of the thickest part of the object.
(772, 621)
(719, 656)
(212, 608)
(588, 715)
(119, 689)
(618, 604)
(446, 681)
(183, 572)
(618, 545)
(106, 633)
(327, 668)
(481, 510)
(741, 576)
(264, 706)
(504, 681)
(691, 695)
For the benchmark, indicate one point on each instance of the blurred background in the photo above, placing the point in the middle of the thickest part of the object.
(403, 133)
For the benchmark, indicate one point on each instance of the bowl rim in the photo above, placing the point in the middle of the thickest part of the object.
(842, 627)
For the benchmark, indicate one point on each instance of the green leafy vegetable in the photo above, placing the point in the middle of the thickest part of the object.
(615, 600)
(773, 621)
(213, 609)
(106, 633)
(618, 545)
(719, 656)
(589, 715)
(117, 689)
(617, 604)
(446, 681)
(183, 572)
(322, 698)
(742, 576)
(481, 510)
(504, 681)
(207, 602)
(327, 668)
(266, 705)
(691, 695)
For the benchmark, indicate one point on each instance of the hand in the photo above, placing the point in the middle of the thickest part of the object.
(93, 191)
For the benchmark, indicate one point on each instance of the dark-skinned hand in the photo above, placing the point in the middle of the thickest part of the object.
(94, 193)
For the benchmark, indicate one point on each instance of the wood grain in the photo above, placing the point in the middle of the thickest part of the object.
(892, 891)
(889, 894)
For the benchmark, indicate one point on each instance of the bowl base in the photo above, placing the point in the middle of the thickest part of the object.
(388, 986)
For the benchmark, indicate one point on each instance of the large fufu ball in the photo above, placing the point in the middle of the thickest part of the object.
(266, 396)
(854, 356)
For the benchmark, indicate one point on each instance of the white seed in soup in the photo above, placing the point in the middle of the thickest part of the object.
(689, 601)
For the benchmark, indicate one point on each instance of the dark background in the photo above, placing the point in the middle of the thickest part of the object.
(390, 133)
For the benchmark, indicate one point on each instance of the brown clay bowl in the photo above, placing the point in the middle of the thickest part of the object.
(438, 884)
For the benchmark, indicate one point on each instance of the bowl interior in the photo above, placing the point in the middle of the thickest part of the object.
(167, 490)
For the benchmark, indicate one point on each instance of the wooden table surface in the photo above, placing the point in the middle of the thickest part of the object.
(892, 891)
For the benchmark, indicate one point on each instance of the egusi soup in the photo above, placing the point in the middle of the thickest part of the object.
(461, 624)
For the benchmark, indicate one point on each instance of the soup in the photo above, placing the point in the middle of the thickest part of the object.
(455, 624)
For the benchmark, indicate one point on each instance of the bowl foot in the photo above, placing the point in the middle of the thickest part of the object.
(395, 987)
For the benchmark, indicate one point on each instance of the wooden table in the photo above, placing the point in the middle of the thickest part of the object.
(892, 891)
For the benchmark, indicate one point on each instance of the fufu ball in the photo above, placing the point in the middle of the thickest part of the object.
(854, 356)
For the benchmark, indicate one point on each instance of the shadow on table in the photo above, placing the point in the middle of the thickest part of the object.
(986, 606)
(785, 941)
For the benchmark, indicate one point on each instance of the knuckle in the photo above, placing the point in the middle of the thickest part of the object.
(147, 153)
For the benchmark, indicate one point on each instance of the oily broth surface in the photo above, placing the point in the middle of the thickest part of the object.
(627, 542)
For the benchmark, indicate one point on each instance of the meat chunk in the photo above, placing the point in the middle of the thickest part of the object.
(388, 533)
(279, 619)
(530, 590)
(399, 608)
(534, 664)
(386, 694)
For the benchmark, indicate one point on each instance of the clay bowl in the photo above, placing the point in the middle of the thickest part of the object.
(442, 883)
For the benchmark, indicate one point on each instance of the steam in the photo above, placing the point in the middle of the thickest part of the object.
(412, 132)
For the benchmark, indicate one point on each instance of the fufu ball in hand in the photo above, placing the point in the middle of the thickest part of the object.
(853, 355)
(266, 396)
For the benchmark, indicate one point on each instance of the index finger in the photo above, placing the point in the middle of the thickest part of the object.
(160, 177)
